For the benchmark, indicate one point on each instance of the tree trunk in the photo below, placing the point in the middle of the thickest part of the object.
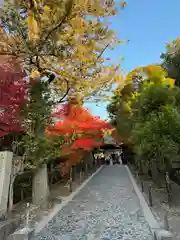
(149, 169)
(156, 175)
(90, 160)
(40, 188)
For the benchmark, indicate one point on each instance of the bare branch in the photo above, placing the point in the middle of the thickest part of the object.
(100, 55)
(66, 93)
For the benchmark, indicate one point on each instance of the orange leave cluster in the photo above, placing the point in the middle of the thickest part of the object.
(76, 120)
(150, 68)
(82, 131)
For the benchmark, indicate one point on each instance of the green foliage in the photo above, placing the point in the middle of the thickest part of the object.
(38, 110)
(157, 129)
(158, 137)
(171, 60)
(157, 124)
(149, 119)
(124, 126)
(39, 148)
(113, 109)
(151, 99)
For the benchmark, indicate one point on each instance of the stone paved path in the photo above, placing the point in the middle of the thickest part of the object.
(107, 209)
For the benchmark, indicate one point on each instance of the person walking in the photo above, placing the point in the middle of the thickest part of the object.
(107, 159)
(124, 162)
(119, 157)
(113, 158)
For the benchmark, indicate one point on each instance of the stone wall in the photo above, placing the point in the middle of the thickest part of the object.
(5, 174)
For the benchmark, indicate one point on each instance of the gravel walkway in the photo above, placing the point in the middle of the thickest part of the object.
(107, 209)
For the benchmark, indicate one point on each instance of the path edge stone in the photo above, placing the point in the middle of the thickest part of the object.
(158, 233)
(58, 207)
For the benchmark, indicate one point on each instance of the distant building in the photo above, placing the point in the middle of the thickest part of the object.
(108, 139)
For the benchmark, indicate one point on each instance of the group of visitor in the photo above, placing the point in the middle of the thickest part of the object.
(110, 158)
(114, 158)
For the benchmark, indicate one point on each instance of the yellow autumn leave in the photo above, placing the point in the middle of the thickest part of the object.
(61, 39)
(35, 74)
(108, 131)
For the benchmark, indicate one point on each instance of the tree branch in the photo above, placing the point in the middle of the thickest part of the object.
(58, 25)
(66, 93)
(100, 55)
(8, 54)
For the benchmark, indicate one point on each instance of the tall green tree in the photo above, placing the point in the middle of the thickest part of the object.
(144, 110)
(36, 118)
(38, 147)
(156, 123)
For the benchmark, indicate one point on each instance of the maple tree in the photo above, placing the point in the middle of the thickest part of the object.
(23, 110)
(85, 130)
(63, 41)
(82, 131)
(13, 95)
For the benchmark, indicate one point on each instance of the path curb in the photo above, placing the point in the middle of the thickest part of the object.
(158, 233)
(58, 207)
(21, 234)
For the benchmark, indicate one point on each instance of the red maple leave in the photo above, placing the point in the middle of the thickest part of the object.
(13, 93)
(76, 120)
(86, 144)
(83, 132)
